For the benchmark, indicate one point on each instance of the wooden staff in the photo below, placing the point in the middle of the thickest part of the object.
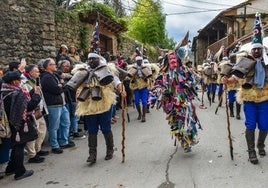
(228, 123)
(123, 103)
(128, 118)
(219, 104)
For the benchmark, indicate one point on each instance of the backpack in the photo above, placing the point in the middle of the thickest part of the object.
(5, 131)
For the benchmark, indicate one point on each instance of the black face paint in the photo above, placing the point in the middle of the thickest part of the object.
(93, 62)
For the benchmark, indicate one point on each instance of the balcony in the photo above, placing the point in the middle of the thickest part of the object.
(226, 41)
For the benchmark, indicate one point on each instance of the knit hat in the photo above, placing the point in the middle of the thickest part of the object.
(256, 39)
(11, 76)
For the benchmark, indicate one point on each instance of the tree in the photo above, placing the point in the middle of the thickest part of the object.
(147, 23)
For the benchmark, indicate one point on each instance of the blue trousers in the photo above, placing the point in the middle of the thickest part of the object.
(256, 114)
(103, 120)
(211, 88)
(231, 96)
(141, 95)
(4, 150)
(220, 91)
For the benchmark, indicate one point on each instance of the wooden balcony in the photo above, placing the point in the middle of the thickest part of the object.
(226, 41)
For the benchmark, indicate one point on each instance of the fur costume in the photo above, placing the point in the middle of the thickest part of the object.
(141, 82)
(254, 94)
(90, 106)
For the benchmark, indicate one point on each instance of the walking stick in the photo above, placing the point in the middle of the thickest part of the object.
(228, 123)
(128, 119)
(219, 104)
(202, 106)
(123, 103)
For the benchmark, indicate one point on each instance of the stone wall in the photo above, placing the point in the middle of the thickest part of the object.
(27, 27)
(67, 31)
(33, 28)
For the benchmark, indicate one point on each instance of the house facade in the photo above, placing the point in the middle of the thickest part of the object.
(229, 27)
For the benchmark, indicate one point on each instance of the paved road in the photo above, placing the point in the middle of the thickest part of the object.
(152, 161)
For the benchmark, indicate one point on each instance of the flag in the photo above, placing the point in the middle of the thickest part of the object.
(95, 41)
(184, 41)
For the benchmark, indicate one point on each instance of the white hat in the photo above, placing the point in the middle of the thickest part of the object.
(145, 61)
(138, 58)
(64, 46)
(93, 55)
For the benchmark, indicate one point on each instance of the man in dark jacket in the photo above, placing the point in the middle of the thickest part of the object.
(58, 118)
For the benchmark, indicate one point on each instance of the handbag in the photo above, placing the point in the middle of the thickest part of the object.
(28, 132)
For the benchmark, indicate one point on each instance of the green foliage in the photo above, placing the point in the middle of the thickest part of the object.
(148, 24)
(84, 7)
(84, 33)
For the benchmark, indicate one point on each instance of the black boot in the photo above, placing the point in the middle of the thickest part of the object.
(139, 111)
(260, 144)
(109, 140)
(148, 108)
(92, 144)
(209, 98)
(220, 100)
(213, 97)
(250, 138)
(238, 107)
(144, 109)
(231, 107)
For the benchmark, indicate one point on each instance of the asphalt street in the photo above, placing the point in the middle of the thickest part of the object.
(152, 160)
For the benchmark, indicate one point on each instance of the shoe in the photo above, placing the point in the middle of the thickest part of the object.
(36, 159)
(69, 145)
(78, 136)
(42, 153)
(9, 171)
(26, 174)
(57, 150)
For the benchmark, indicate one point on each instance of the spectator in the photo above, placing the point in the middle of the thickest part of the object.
(58, 117)
(31, 75)
(18, 119)
(62, 54)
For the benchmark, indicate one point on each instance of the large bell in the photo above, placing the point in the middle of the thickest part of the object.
(146, 72)
(226, 69)
(78, 78)
(104, 75)
(96, 94)
(243, 67)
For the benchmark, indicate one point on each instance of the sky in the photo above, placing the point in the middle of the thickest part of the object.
(192, 15)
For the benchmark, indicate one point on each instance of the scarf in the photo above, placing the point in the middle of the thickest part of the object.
(259, 75)
(19, 102)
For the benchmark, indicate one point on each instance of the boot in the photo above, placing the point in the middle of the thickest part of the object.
(260, 144)
(144, 109)
(139, 111)
(238, 107)
(92, 144)
(220, 100)
(250, 138)
(109, 140)
(213, 97)
(231, 107)
(209, 98)
(148, 108)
